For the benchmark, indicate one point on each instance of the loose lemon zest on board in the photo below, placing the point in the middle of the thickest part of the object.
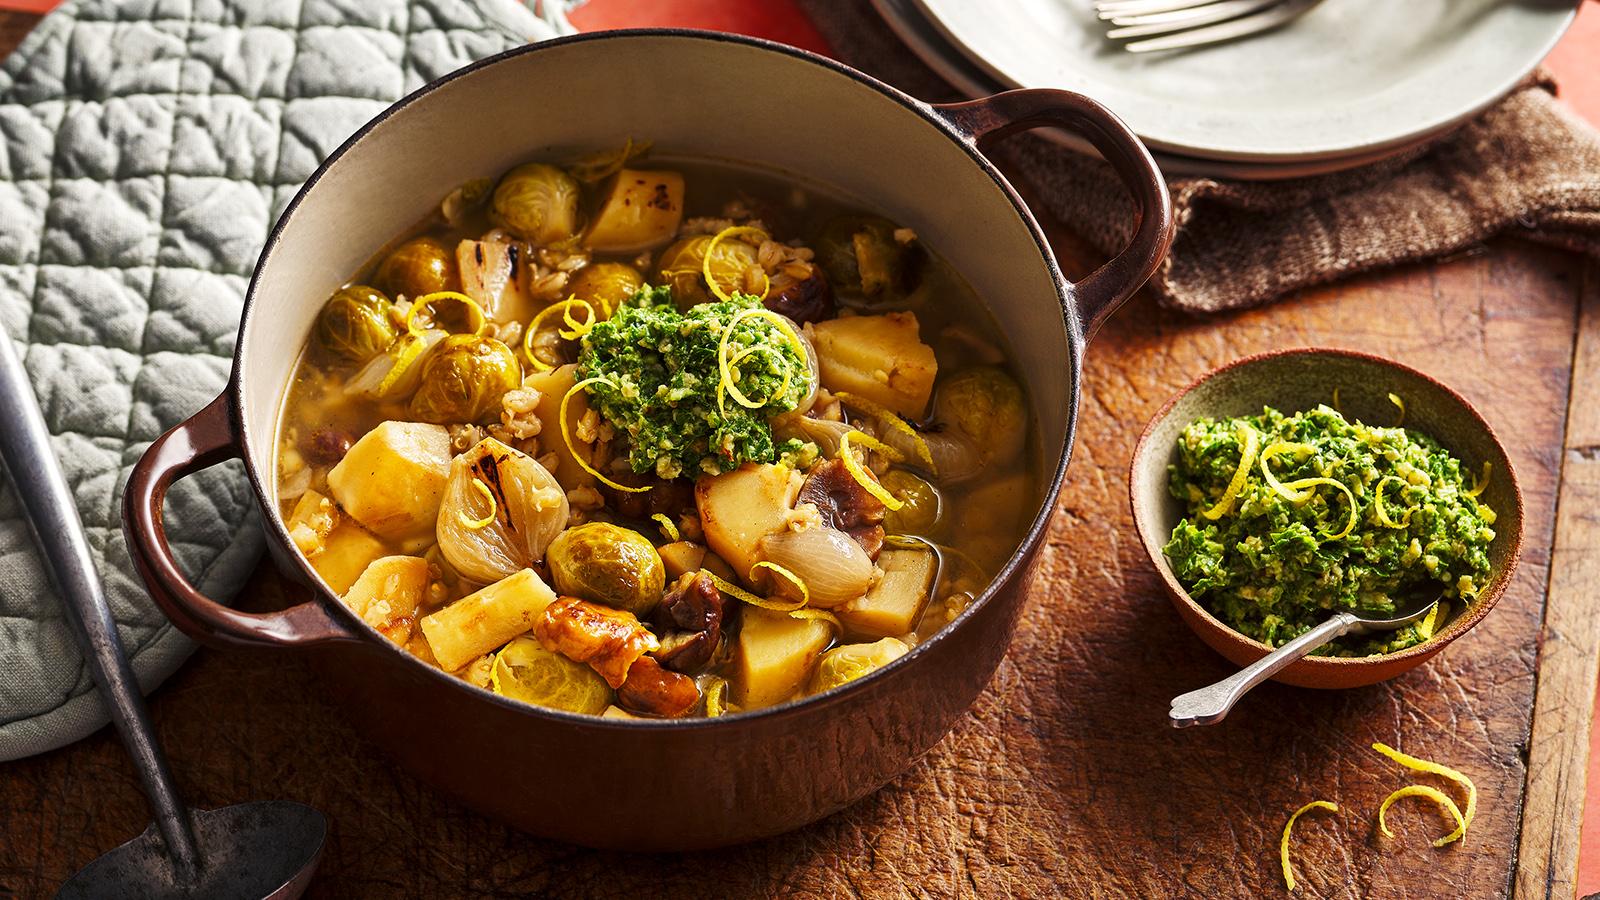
(1432, 793)
(884, 414)
(1395, 399)
(739, 593)
(1433, 768)
(427, 300)
(667, 528)
(486, 521)
(1247, 458)
(1480, 483)
(786, 575)
(566, 435)
(1383, 514)
(853, 466)
(1278, 449)
(1283, 843)
(705, 262)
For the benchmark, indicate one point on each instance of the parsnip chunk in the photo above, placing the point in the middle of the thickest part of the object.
(894, 603)
(640, 210)
(739, 508)
(393, 479)
(775, 656)
(387, 594)
(881, 358)
(346, 553)
(479, 623)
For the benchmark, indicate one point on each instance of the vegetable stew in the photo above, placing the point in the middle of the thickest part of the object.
(649, 437)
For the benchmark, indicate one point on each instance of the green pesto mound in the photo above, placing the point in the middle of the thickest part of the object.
(1272, 567)
(657, 379)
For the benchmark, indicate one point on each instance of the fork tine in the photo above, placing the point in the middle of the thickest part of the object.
(1227, 31)
(1107, 9)
(1161, 23)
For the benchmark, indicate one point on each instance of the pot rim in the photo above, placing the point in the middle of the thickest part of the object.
(1410, 656)
(1072, 323)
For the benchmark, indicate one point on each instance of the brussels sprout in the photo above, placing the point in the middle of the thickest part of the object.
(987, 405)
(920, 510)
(420, 266)
(524, 670)
(608, 564)
(861, 255)
(356, 324)
(847, 663)
(538, 202)
(463, 380)
(607, 282)
(681, 267)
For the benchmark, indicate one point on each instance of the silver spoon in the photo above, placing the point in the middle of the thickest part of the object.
(252, 850)
(1209, 705)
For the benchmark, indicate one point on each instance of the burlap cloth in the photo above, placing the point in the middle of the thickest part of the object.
(1527, 166)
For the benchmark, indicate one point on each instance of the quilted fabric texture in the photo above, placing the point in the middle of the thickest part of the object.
(146, 147)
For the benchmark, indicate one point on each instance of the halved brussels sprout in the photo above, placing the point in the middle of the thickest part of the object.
(524, 670)
(681, 266)
(608, 564)
(463, 380)
(538, 203)
(988, 406)
(501, 510)
(395, 373)
(861, 255)
(609, 283)
(919, 513)
(357, 323)
(847, 663)
(420, 266)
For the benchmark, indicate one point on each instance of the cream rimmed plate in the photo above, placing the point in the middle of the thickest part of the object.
(909, 24)
(1351, 77)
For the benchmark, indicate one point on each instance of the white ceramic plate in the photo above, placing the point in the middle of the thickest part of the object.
(926, 41)
(1349, 77)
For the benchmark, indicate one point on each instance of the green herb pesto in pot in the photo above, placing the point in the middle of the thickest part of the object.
(1292, 517)
(694, 391)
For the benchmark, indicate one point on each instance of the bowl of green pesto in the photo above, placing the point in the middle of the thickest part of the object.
(1282, 488)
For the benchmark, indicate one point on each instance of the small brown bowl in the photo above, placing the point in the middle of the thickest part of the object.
(1299, 379)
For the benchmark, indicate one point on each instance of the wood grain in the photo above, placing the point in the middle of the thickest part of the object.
(1568, 655)
(1064, 779)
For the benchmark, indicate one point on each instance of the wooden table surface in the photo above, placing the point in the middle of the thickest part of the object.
(1064, 779)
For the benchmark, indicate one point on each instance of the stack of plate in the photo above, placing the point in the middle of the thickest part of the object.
(1349, 83)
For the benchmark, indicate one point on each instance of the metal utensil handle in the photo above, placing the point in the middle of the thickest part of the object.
(1208, 705)
(52, 515)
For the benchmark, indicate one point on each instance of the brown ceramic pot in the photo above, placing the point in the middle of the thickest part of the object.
(1293, 380)
(657, 785)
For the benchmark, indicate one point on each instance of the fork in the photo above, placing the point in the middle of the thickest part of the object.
(1170, 24)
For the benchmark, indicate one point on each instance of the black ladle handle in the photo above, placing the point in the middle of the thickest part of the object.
(53, 517)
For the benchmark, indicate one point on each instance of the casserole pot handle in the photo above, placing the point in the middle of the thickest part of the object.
(198, 443)
(1104, 289)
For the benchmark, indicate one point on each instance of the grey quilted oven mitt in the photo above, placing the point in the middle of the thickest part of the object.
(146, 147)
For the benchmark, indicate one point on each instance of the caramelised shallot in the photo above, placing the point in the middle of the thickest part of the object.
(834, 568)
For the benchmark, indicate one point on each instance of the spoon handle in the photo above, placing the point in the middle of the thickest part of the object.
(1208, 705)
(58, 532)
